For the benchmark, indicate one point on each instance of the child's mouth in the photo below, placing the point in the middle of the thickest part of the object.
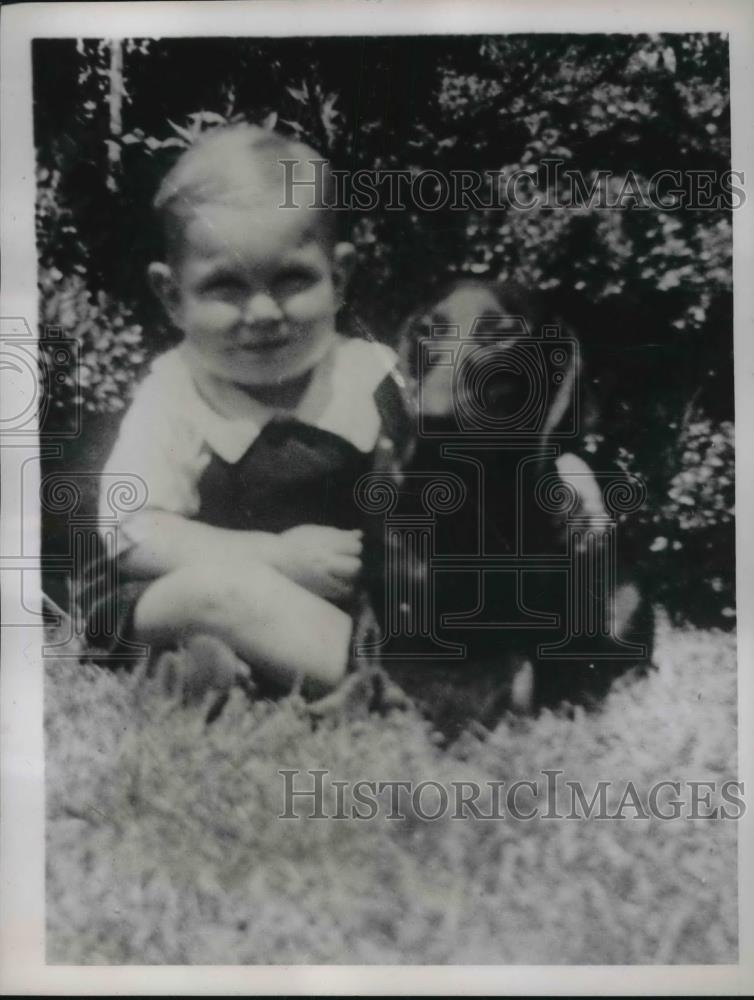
(266, 345)
(265, 339)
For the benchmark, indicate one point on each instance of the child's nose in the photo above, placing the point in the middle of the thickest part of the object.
(261, 308)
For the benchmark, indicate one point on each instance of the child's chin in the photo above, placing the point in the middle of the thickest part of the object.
(267, 376)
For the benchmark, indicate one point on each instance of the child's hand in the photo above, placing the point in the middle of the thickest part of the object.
(325, 560)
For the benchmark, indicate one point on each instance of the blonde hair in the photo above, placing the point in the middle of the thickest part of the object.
(241, 165)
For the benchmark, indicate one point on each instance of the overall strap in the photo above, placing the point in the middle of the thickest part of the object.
(397, 411)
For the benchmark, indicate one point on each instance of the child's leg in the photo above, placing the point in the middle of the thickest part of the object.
(271, 622)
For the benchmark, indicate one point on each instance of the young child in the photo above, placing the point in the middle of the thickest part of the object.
(251, 435)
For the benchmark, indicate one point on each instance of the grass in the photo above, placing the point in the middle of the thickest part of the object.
(164, 846)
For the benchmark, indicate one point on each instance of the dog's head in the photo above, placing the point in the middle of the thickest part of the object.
(479, 360)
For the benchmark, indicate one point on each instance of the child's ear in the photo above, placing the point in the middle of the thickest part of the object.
(165, 288)
(344, 261)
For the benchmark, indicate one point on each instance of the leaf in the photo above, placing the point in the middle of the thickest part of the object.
(182, 132)
(330, 116)
(298, 129)
(299, 94)
(209, 117)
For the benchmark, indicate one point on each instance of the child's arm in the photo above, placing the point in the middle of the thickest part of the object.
(324, 560)
(162, 541)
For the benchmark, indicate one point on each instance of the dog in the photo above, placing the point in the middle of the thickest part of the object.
(525, 601)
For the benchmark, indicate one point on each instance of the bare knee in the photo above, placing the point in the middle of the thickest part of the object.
(268, 620)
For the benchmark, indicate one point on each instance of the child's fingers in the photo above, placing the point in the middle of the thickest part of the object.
(169, 673)
(345, 567)
(350, 546)
(337, 589)
(222, 665)
(349, 543)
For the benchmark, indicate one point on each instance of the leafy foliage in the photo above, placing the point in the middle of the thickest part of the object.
(698, 516)
(101, 374)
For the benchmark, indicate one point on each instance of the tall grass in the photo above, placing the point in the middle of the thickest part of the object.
(164, 843)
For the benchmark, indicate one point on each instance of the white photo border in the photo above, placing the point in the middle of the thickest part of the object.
(22, 897)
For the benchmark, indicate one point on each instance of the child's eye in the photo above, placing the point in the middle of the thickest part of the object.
(291, 282)
(224, 288)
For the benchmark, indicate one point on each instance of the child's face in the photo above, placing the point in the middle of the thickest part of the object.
(254, 292)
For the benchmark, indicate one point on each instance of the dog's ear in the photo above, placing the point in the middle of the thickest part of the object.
(413, 330)
(344, 262)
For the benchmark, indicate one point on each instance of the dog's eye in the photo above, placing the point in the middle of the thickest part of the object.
(496, 324)
(422, 327)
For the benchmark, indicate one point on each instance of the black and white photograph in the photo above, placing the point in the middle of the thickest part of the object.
(371, 458)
